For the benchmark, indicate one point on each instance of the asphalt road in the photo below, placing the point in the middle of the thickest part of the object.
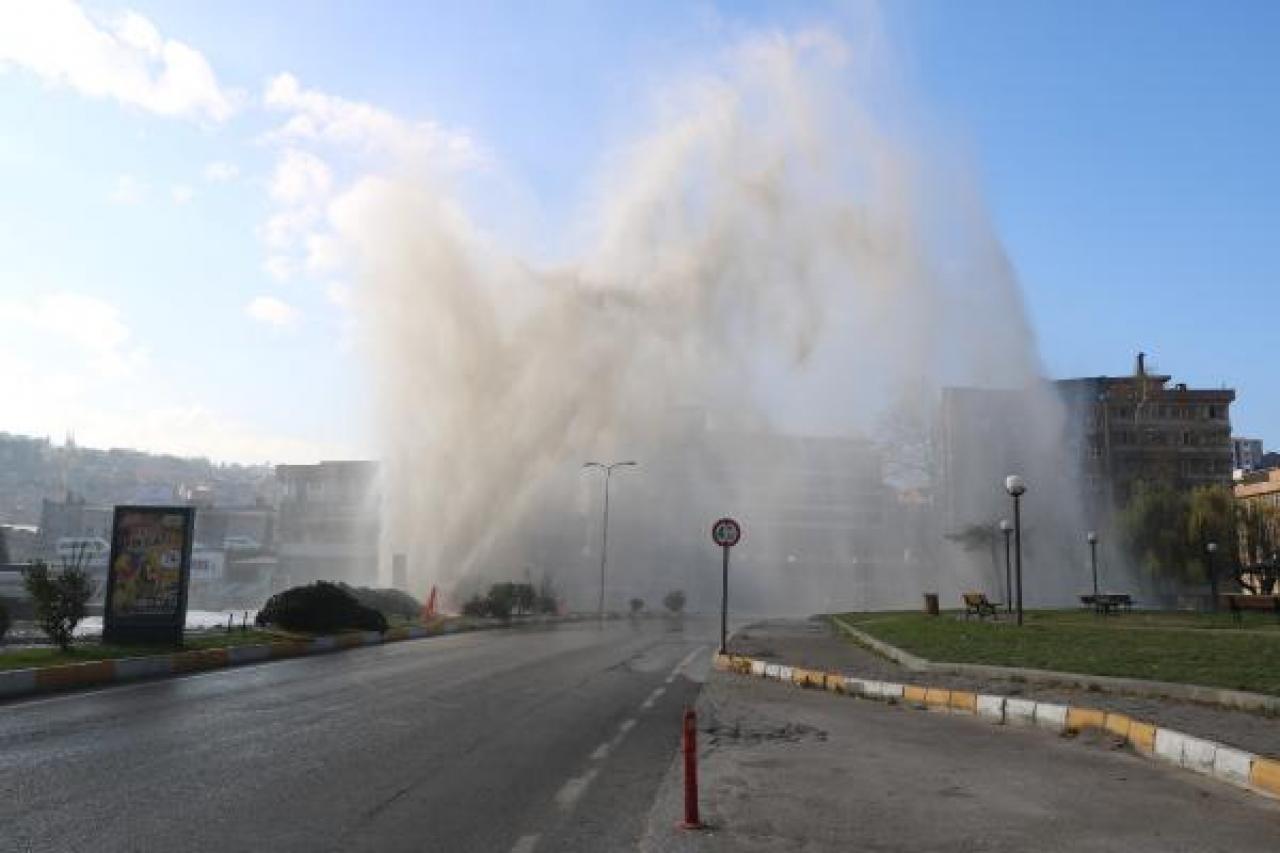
(522, 740)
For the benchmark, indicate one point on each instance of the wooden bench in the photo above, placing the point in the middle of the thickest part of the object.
(977, 604)
(1105, 602)
(1237, 603)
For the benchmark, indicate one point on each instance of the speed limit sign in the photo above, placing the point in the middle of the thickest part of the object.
(726, 533)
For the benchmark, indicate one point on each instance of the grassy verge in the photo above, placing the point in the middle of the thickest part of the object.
(85, 651)
(1185, 648)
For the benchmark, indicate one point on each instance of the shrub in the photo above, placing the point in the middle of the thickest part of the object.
(637, 604)
(388, 602)
(674, 601)
(60, 600)
(4, 620)
(320, 608)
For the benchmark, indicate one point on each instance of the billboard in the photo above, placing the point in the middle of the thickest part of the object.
(148, 575)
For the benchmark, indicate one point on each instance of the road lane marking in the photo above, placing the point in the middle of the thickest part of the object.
(525, 844)
(653, 697)
(572, 791)
(601, 752)
(688, 659)
(626, 726)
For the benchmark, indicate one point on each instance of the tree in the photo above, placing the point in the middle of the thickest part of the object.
(61, 600)
(637, 604)
(1154, 527)
(1258, 528)
(1211, 517)
(674, 601)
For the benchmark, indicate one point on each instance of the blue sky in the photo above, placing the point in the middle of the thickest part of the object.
(1128, 153)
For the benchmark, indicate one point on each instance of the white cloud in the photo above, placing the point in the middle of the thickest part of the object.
(126, 59)
(280, 267)
(220, 172)
(128, 190)
(272, 311)
(182, 194)
(339, 294)
(85, 331)
(286, 228)
(300, 177)
(353, 125)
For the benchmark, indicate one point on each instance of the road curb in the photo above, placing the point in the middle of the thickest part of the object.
(1221, 697)
(1255, 773)
(15, 683)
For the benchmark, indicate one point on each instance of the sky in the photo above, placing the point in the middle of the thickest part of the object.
(164, 283)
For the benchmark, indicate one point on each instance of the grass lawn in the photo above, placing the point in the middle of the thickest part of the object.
(88, 650)
(1183, 647)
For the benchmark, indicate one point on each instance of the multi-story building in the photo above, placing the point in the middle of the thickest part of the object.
(328, 524)
(1139, 428)
(1246, 453)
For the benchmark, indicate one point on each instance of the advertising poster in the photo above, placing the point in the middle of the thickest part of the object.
(149, 573)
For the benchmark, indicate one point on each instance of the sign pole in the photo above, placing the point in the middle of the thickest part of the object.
(724, 604)
(726, 533)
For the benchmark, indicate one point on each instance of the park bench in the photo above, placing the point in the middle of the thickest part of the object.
(1105, 602)
(1237, 603)
(977, 603)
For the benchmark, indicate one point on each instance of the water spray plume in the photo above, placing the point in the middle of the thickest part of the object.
(771, 258)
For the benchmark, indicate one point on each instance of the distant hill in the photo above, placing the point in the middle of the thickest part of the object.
(32, 469)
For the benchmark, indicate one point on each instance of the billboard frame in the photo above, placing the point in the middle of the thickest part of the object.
(148, 628)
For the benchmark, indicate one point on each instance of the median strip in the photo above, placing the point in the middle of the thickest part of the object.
(15, 683)
(1259, 774)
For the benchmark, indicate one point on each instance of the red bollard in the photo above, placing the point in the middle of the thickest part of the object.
(690, 771)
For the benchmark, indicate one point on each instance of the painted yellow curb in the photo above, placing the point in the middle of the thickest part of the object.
(1142, 736)
(1118, 724)
(937, 697)
(75, 674)
(288, 648)
(835, 682)
(963, 700)
(806, 677)
(350, 641)
(396, 634)
(1265, 775)
(912, 693)
(1079, 719)
(197, 660)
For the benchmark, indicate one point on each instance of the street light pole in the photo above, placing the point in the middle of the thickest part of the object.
(1014, 485)
(1212, 548)
(1007, 529)
(1093, 560)
(607, 467)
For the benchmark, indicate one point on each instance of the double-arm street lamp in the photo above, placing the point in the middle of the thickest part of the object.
(607, 467)
(1014, 485)
(1007, 529)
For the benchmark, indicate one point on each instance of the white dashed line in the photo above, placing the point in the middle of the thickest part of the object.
(626, 726)
(653, 697)
(573, 790)
(601, 752)
(525, 844)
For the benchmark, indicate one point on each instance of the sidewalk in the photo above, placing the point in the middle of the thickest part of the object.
(814, 644)
(785, 769)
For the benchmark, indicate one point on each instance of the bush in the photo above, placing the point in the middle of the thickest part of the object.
(4, 620)
(321, 608)
(674, 601)
(60, 600)
(637, 604)
(388, 602)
